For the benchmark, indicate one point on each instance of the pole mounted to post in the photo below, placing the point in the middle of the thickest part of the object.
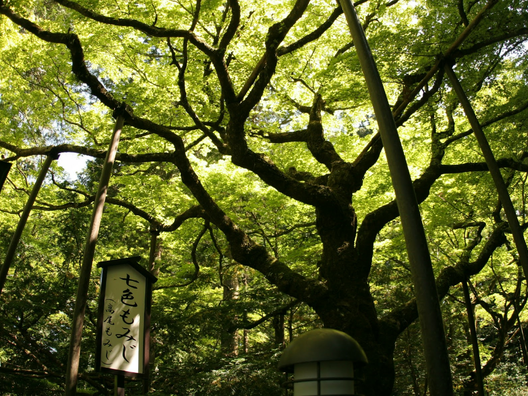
(435, 348)
(89, 251)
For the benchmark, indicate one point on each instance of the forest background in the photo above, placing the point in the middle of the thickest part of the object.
(251, 179)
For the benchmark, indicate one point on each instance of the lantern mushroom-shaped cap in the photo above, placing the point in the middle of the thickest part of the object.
(321, 345)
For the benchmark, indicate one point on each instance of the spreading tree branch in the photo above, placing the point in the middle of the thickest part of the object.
(400, 318)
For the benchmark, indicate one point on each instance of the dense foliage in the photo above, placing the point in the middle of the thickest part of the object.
(252, 181)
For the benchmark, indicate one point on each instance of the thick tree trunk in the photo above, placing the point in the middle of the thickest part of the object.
(349, 305)
(342, 313)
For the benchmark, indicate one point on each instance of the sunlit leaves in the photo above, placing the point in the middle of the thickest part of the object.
(180, 83)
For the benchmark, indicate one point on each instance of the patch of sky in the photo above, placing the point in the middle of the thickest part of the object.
(73, 164)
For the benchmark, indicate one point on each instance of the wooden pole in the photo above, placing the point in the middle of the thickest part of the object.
(86, 268)
(23, 219)
(119, 385)
(494, 169)
(435, 347)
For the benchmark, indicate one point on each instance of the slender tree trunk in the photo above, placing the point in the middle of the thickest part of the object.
(516, 310)
(409, 355)
(154, 255)
(522, 341)
(246, 335)
(290, 326)
(474, 340)
(229, 337)
(23, 219)
(155, 252)
(278, 330)
(72, 366)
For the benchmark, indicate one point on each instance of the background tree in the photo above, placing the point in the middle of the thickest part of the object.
(251, 149)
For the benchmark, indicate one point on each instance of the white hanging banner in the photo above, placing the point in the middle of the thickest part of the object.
(124, 317)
